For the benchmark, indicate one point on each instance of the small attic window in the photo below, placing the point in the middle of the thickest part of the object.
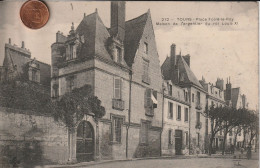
(118, 56)
(145, 48)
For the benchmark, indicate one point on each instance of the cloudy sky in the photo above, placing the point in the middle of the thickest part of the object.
(216, 51)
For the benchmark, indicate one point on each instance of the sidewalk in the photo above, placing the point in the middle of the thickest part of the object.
(86, 164)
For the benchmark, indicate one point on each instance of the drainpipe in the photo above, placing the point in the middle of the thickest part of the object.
(162, 120)
(129, 112)
(189, 127)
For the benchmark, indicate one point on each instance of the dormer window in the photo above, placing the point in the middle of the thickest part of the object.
(34, 75)
(118, 55)
(145, 48)
(72, 52)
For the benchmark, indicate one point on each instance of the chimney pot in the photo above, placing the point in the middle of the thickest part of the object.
(10, 41)
(22, 44)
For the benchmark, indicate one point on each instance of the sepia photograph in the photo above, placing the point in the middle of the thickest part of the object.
(127, 84)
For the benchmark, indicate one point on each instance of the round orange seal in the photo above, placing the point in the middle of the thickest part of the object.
(34, 14)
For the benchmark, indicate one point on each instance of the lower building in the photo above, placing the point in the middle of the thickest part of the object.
(175, 135)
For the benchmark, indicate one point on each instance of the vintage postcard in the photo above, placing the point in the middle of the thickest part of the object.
(129, 84)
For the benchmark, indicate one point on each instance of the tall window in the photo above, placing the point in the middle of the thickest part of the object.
(169, 89)
(118, 57)
(117, 125)
(179, 113)
(144, 132)
(198, 97)
(186, 138)
(117, 88)
(170, 110)
(145, 48)
(34, 75)
(186, 114)
(198, 117)
(70, 83)
(170, 137)
(192, 97)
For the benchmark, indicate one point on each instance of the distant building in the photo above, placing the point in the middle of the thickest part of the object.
(234, 98)
(121, 63)
(215, 98)
(177, 69)
(18, 65)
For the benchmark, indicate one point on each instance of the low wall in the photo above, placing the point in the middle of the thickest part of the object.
(31, 139)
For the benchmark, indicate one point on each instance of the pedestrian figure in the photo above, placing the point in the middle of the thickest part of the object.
(242, 150)
(249, 154)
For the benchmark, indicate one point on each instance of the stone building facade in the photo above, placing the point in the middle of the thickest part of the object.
(176, 120)
(177, 69)
(121, 63)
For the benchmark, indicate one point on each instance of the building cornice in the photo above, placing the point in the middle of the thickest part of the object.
(214, 98)
(175, 99)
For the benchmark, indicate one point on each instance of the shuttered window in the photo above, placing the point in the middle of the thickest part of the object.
(117, 88)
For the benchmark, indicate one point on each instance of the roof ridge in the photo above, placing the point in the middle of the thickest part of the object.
(136, 17)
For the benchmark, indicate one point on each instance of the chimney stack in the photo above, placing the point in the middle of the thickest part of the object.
(173, 55)
(118, 19)
(187, 59)
(10, 41)
(228, 90)
(22, 44)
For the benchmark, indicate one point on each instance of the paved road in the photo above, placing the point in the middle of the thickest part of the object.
(181, 163)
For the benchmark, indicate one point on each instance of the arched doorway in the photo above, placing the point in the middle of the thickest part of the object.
(85, 142)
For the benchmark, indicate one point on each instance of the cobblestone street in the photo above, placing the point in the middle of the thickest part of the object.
(181, 163)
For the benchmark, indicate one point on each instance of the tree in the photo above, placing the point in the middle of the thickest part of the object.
(25, 96)
(72, 106)
(216, 122)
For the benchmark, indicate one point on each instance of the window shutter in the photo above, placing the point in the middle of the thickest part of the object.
(117, 88)
(169, 110)
(155, 96)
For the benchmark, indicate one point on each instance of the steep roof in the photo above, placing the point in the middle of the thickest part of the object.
(133, 33)
(189, 76)
(166, 69)
(186, 74)
(96, 35)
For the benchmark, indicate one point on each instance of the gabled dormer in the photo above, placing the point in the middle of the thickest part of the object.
(34, 71)
(73, 44)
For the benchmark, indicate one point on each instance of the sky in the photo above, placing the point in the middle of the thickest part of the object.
(216, 51)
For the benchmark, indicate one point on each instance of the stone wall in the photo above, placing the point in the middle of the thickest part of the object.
(32, 139)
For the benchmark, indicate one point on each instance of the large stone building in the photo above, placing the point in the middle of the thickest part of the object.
(177, 69)
(121, 63)
(18, 65)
